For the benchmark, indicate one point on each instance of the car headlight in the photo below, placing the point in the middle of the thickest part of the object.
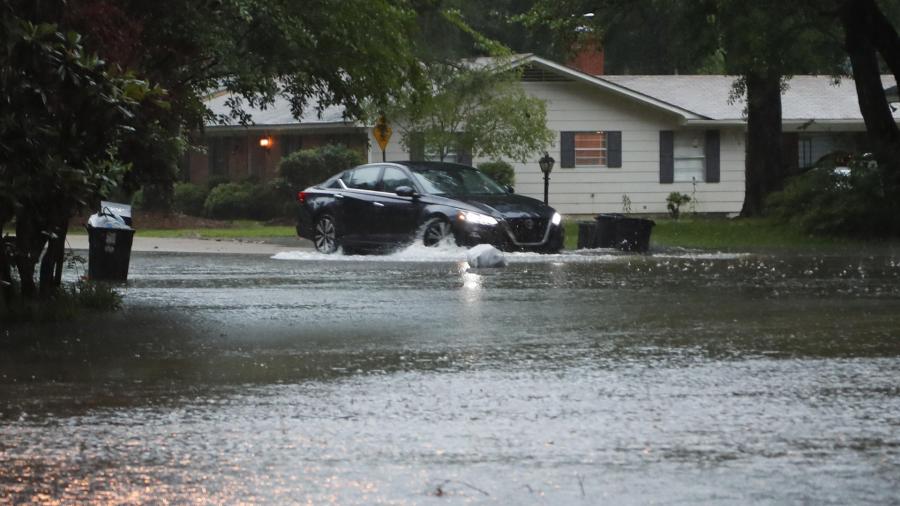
(557, 218)
(476, 218)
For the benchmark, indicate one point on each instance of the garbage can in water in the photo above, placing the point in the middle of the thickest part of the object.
(587, 234)
(623, 232)
(109, 253)
(109, 246)
(616, 231)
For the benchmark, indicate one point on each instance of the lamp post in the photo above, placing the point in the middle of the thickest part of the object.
(546, 162)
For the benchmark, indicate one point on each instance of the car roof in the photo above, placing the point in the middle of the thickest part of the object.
(433, 165)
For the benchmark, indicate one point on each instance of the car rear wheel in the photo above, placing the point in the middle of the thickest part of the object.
(435, 231)
(325, 235)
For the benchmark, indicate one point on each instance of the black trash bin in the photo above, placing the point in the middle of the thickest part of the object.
(616, 231)
(109, 253)
(587, 234)
(629, 234)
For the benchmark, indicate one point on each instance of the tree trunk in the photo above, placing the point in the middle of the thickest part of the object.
(764, 165)
(52, 262)
(858, 33)
(884, 36)
(57, 276)
(6, 291)
(29, 244)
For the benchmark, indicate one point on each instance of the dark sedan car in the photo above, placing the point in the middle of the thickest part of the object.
(383, 205)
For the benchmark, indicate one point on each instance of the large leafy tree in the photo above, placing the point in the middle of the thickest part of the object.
(73, 123)
(762, 42)
(473, 108)
(765, 43)
(869, 34)
(472, 101)
(316, 51)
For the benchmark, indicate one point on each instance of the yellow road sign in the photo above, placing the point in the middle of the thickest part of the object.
(382, 132)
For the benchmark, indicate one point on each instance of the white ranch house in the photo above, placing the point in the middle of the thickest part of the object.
(639, 137)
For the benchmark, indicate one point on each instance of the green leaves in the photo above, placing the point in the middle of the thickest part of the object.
(477, 107)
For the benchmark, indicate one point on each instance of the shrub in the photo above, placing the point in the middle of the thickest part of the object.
(214, 181)
(499, 171)
(826, 201)
(229, 201)
(189, 198)
(308, 167)
(674, 202)
(270, 200)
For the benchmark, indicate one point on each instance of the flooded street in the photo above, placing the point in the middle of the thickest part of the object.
(581, 378)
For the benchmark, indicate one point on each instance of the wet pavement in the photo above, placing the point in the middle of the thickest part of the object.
(582, 378)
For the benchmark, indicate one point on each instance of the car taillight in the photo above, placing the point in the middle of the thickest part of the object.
(301, 197)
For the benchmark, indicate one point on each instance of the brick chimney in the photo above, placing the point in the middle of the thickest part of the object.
(587, 56)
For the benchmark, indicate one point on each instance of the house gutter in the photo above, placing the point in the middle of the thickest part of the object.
(790, 125)
(293, 127)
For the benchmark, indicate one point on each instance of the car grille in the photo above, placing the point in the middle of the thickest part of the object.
(528, 230)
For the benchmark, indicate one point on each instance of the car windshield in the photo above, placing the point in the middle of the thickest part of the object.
(455, 181)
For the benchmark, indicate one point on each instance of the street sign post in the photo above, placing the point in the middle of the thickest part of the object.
(382, 133)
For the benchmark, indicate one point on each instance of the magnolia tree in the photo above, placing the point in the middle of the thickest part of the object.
(64, 116)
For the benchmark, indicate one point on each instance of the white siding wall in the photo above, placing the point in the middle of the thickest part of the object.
(590, 190)
(395, 150)
(578, 107)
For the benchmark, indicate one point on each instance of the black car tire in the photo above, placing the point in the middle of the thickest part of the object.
(325, 235)
(435, 230)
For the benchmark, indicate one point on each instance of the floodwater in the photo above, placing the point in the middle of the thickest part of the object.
(582, 378)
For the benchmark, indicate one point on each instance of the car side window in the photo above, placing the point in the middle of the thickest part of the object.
(363, 178)
(394, 178)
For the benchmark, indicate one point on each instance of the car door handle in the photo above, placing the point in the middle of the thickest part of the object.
(377, 204)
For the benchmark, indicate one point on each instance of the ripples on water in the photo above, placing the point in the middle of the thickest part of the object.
(577, 378)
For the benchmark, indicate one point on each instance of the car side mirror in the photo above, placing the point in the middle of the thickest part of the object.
(406, 191)
(509, 189)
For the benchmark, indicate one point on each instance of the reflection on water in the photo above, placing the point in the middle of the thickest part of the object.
(585, 378)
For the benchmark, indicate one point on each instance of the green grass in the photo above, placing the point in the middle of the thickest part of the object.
(730, 235)
(689, 232)
(240, 229)
(223, 233)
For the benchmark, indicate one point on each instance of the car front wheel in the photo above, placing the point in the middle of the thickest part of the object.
(325, 235)
(435, 231)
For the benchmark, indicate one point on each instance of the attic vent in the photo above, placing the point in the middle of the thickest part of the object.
(537, 74)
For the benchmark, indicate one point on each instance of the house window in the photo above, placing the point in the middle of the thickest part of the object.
(590, 149)
(689, 156)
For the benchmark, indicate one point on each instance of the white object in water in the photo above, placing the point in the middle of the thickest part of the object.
(485, 255)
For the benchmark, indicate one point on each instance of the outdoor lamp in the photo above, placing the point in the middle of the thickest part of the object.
(265, 142)
(546, 162)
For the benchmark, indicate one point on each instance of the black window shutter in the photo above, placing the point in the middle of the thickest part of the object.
(614, 149)
(567, 150)
(666, 156)
(713, 170)
(416, 147)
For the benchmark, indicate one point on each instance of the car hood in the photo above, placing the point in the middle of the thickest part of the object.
(507, 206)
